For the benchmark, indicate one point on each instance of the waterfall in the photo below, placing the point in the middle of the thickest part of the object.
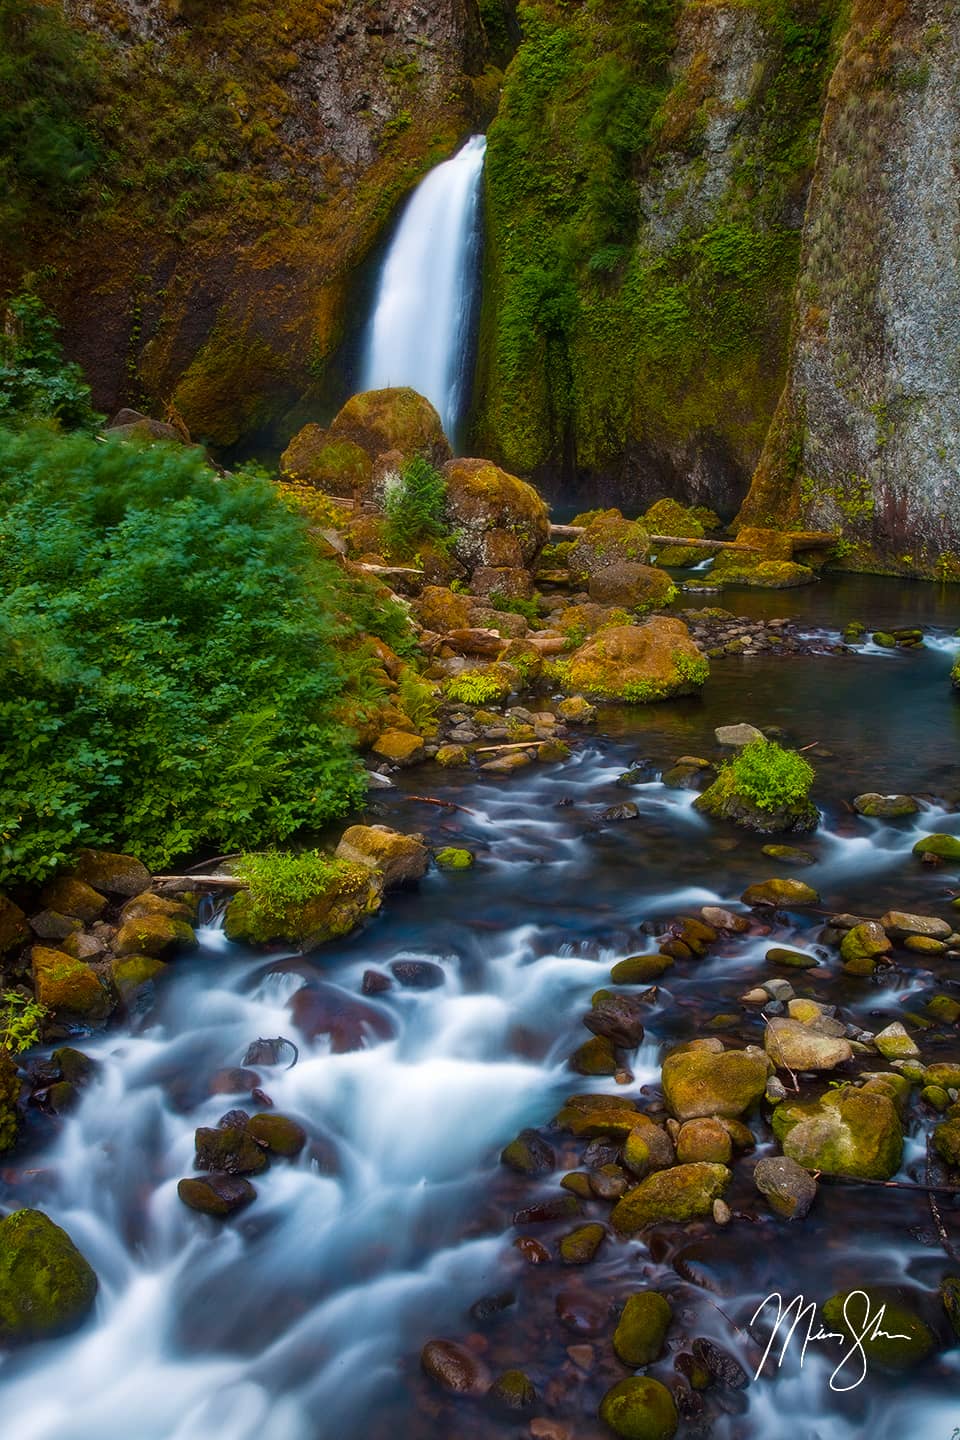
(419, 331)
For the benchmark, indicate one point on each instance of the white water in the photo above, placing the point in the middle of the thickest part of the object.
(419, 330)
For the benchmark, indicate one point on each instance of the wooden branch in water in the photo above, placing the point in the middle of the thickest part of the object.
(444, 804)
(915, 1185)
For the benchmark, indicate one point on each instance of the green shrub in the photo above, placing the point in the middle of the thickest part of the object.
(36, 383)
(278, 879)
(20, 1020)
(771, 776)
(414, 507)
(512, 605)
(419, 699)
(475, 688)
(171, 655)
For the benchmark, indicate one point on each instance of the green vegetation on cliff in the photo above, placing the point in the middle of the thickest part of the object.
(172, 651)
(638, 287)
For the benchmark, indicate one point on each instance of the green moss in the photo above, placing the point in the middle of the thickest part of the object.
(451, 858)
(309, 898)
(46, 1286)
(771, 776)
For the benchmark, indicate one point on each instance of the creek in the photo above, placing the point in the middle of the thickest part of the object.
(303, 1317)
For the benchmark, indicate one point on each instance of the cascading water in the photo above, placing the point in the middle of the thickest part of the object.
(419, 332)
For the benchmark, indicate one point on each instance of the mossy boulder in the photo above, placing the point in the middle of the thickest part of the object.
(134, 975)
(70, 896)
(640, 1408)
(608, 541)
(702, 1082)
(723, 801)
(331, 463)
(783, 894)
(9, 1098)
(483, 502)
(640, 969)
(865, 941)
(587, 1116)
(635, 587)
(892, 1335)
(846, 1132)
(766, 575)
(400, 859)
(685, 1192)
(229, 1150)
(595, 1057)
(400, 747)
(70, 988)
(637, 663)
(153, 935)
(14, 929)
(885, 807)
(704, 1139)
(393, 419)
(184, 907)
(581, 1245)
(669, 517)
(442, 610)
(350, 894)
(946, 1142)
(941, 847)
(46, 1286)
(642, 1328)
(792, 1045)
(113, 874)
(277, 1133)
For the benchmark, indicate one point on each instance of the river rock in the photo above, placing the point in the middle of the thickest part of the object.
(642, 1328)
(704, 1139)
(737, 736)
(320, 1009)
(277, 1133)
(219, 1195)
(134, 976)
(681, 1193)
(721, 919)
(68, 987)
(581, 1245)
(637, 663)
(400, 747)
(482, 503)
(618, 1017)
(70, 896)
(13, 925)
(528, 1154)
(418, 974)
(892, 1336)
(647, 1147)
(640, 969)
(595, 1057)
(640, 1408)
(400, 859)
(582, 1312)
(632, 586)
(792, 958)
(157, 935)
(455, 1368)
(894, 1043)
(46, 1286)
(792, 1046)
(348, 895)
(782, 894)
(789, 1189)
(946, 1142)
(865, 941)
(589, 1115)
(514, 1390)
(230, 1150)
(900, 923)
(845, 1132)
(885, 807)
(940, 847)
(114, 874)
(698, 1082)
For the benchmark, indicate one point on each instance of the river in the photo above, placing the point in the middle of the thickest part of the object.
(303, 1318)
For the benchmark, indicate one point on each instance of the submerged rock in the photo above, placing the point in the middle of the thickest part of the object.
(789, 1189)
(455, 1368)
(46, 1285)
(514, 1390)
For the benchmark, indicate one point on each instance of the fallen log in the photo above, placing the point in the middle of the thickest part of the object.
(196, 882)
(572, 532)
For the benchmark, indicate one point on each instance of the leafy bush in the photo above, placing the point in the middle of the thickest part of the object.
(419, 698)
(414, 506)
(278, 879)
(513, 605)
(171, 653)
(473, 687)
(20, 1020)
(771, 776)
(36, 383)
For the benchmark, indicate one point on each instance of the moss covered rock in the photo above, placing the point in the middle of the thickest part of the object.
(484, 503)
(9, 1097)
(113, 874)
(589, 1115)
(46, 1285)
(792, 1045)
(68, 987)
(277, 1133)
(642, 1328)
(400, 859)
(452, 858)
(704, 1139)
(669, 517)
(217, 1195)
(70, 896)
(154, 935)
(635, 587)
(350, 894)
(891, 1334)
(684, 1192)
(846, 1132)
(581, 1245)
(640, 969)
(637, 663)
(941, 847)
(865, 941)
(946, 1142)
(400, 747)
(330, 463)
(780, 893)
(640, 1408)
(133, 975)
(442, 610)
(229, 1150)
(608, 541)
(393, 419)
(701, 1082)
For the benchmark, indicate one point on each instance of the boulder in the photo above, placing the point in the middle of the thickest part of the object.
(230, 1150)
(637, 663)
(46, 1285)
(595, 1057)
(528, 1154)
(894, 1043)
(636, 587)
(451, 857)
(669, 517)
(350, 894)
(587, 1116)
(581, 1245)
(846, 1132)
(892, 1336)
(939, 847)
(70, 896)
(737, 736)
(418, 974)
(455, 1368)
(183, 908)
(483, 501)
(400, 859)
(793, 1046)
(704, 1139)
(640, 1408)
(218, 1195)
(781, 894)
(885, 807)
(442, 610)
(642, 1328)
(68, 987)
(946, 1142)
(901, 923)
(684, 1192)
(618, 1017)
(698, 1082)
(608, 540)
(13, 925)
(724, 801)
(320, 1009)
(277, 1133)
(335, 465)
(513, 1390)
(865, 941)
(788, 1188)
(396, 418)
(114, 874)
(576, 710)
(153, 935)
(133, 977)
(400, 747)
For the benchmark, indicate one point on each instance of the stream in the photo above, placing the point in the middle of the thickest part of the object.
(303, 1317)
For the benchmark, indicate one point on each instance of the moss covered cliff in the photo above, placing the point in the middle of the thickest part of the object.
(646, 183)
(190, 186)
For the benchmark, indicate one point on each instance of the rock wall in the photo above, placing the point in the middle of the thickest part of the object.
(243, 160)
(867, 434)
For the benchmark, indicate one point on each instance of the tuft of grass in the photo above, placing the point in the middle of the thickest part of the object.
(771, 776)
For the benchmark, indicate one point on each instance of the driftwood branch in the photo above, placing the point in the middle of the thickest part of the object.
(444, 804)
(195, 882)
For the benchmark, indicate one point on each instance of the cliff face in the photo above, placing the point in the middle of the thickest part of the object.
(236, 164)
(867, 435)
(646, 182)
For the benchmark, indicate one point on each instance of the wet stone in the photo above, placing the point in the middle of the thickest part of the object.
(455, 1368)
(219, 1195)
(582, 1312)
(528, 1154)
(418, 974)
(581, 1245)
(230, 1150)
